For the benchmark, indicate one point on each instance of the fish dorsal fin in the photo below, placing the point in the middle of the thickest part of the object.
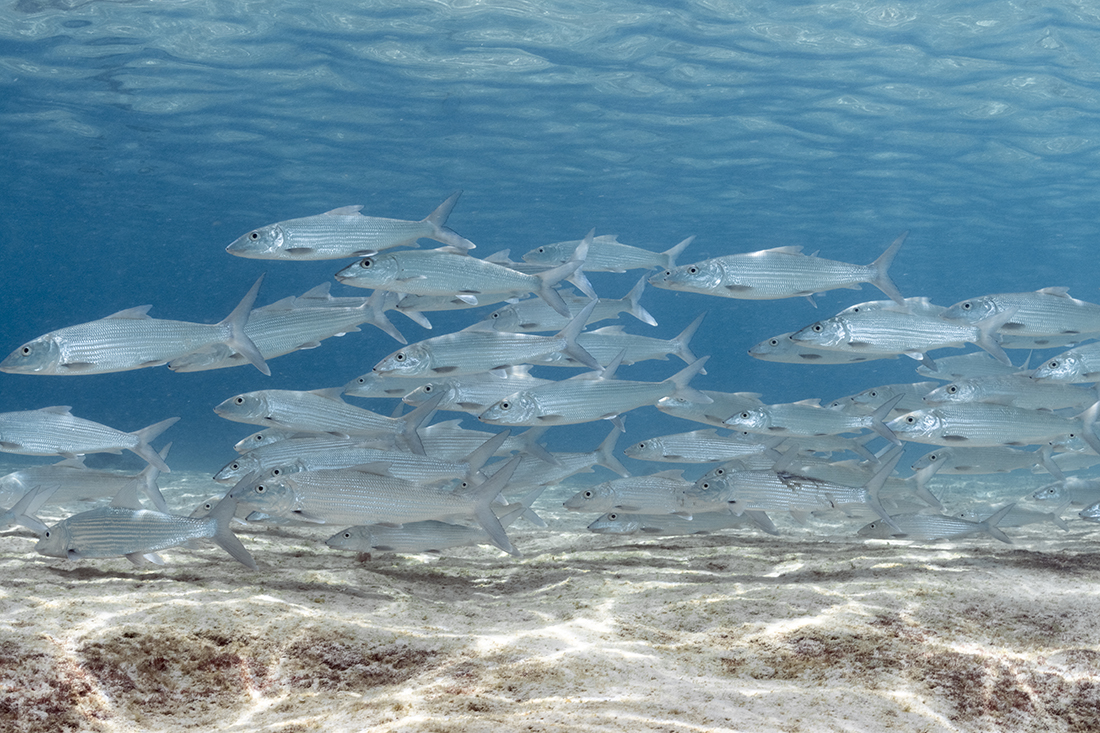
(137, 313)
(1062, 292)
(128, 496)
(57, 409)
(344, 211)
(320, 291)
(791, 249)
(74, 462)
(607, 331)
(500, 258)
(375, 468)
(672, 473)
(330, 393)
(811, 402)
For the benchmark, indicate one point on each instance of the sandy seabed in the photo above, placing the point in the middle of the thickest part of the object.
(813, 630)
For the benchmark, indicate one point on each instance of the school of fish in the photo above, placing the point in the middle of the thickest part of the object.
(413, 483)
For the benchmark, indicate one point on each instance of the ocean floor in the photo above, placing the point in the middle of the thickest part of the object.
(813, 630)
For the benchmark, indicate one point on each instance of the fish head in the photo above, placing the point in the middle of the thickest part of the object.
(425, 392)
(699, 276)
(260, 439)
(973, 310)
(1064, 368)
(246, 407)
(259, 243)
(352, 538)
(962, 391)
(410, 361)
(877, 530)
(615, 523)
(1090, 513)
(754, 421)
(774, 345)
(1056, 492)
(55, 541)
(283, 469)
(237, 469)
(823, 334)
(551, 254)
(646, 449)
(935, 458)
(375, 271)
(521, 408)
(590, 499)
(506, 319)
(266, 496)
(41, 356)
(916, 424)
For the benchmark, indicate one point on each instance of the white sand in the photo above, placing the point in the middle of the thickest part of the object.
(809, 631)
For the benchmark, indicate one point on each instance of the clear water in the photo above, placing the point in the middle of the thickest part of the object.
(141, 138)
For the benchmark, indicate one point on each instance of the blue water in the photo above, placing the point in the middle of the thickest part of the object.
(140, 138)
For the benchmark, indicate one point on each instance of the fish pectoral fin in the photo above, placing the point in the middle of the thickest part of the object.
(153, 363)
(79, 366)
(467, 298)
(956, 438)
(444, 369)
(410, 278)
(299, 250)
(9, 446)
(549, 419)
(306, 516)
(738, 288)
(471, 406)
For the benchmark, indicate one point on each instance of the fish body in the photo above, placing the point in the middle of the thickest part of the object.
(715, 412)
(978, 424)
(130, 339)
(783, 272)
(656, 493)
(808, 418)
(783, 349)
(604, 344)
(892, 332)
(124, 529)
(1077, 491)
(935, 527)
(966, 366)
(55, 431)
(664, 525)
(584, 400)
(606, 254)
(534, 314)
(344, 232)
(473, 393)
(701, 446)
(480, 349)
(1046, 317)
(76, 482)
(1017, 390)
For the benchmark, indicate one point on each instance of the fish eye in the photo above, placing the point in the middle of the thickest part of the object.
(588, 494)
(254, 236)
(495, 314)
(427, 388)
(933, 457)
(817, 328)
(719, 472)
(234, 466)
(239, 401)
(706, 486)
(260, 488)
(693, 270)
(774, 342)
(910, 420)
(347, 535)
(366, 263)
(399, 356)
(641, 446)
(26, 350)
(612, 517)
(505, 405)
(276, 472)
(967, 306)
(46, 534)
(952, 389)
(745, 416)
(1052, 364)
(540, 250)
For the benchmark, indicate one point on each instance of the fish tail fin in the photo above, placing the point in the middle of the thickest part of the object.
(681, 378)
(673, 252)
(987, 334)
(484, 452)
(237, 339)
(605, 453)
(415, 419)
(484, 496)
(533, 448)
(526, 511)
(991, 522)
(570, 333)
(634, 305)
(762, 520)
(1088, 423)
(548, 279)
(878, 419)
(145, 435)
(920, 485)
(222, 513)
(376, 303)
(874, 486)
(881, 266)
(442, 233)
(148, 479)
(680, 342)
(23, 511)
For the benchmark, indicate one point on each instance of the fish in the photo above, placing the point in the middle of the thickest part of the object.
(1041, 319)
(1016, 390)
(474, 393)
(966, 366)
(442, 272)
(533, 314)
(130, 339)
(655, 493)
(1080, 364)
(479, 348)
(665, 525)
(713, 412)
(935, 527)
(604, 344)
(360, 495)
(589, 397)
(1091, 513)
(534, 471)
(703, 446)
(895, 332)
(607, 254)
(782, 272)
(867, 401)
(1076, 490)
(126, 529)
(55, 431)
(785, 350)
(344, 232)
(808, 418)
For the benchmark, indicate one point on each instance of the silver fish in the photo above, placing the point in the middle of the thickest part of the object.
(808, 418)
(783, 272)
(344, 232)
(934, 527)
(607, 254)
(604, 344)
(966, 366)
(703, 446)
(656, 493)
(354, 496)
(785, 350)
(130, 339)
(1046, 318)
(480, 349)
(1080, 364)
(720, 406)
(125, 529)
(1017, 390)
(664, 525)
(55, 431)
(533, 314)
(474, 393)
(1078, 491)
(447, 272)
